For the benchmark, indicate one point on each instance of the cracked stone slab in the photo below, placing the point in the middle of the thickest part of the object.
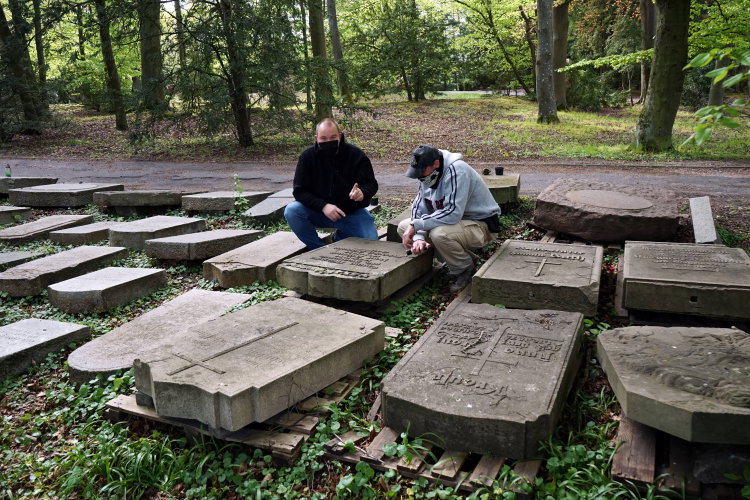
(486, 379)
(221, 201)
(83, 235)
(158, 328)
(8, 183)
(10, 214)
(140, 202)
(12, 259)
(534, 275)
(41, 228)
(200, 246)
(134, 234)
(504, 188)
(60, 195)
(250, 365)
(689, 382)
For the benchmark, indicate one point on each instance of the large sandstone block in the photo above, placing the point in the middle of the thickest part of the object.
(40, 229)
(485, 379)
(105, 289)
(504, 188)
(8, 183)
(8, 214)
(600, 211)
(256, 261)
(134, 234)
(30, 341)
(12, 259)
(271, 209)
(59, 195)
(200, 246)
(353, 269)
(83, 235)
(687, 278)
(689, 382)
(157, 329)
(250, 365)
(221, 201)
(533, 275)
(33, 277)
(140, 202)
(392, 234)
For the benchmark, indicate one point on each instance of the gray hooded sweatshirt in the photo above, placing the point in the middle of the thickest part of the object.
(460, 194)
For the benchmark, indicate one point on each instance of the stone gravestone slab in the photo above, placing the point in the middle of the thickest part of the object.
(250, 365)
(687, 278)
(105, 289)
(689, 382)
(33, 277)
(60, 195)
(83, 235)
(256, 261)
(11, 259)
(34, 339)
(533, 275)
(157, 329)
(504, 188)
(703, 221)
(220, 201)
(200, 246)
(41, 228)
(486, 379)
(8, 214)
(134, 234)
(353, 269)
(271, 209)
(8, 183)
(599, 211)
(140, 202)
(392, 234)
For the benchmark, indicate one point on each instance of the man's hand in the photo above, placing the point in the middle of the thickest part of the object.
(419, 247)
(356, 193)
(333, 212)
(408, 238)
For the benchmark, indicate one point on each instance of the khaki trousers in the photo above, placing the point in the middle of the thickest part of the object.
(454, 240)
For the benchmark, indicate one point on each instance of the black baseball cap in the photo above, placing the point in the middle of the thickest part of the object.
(422, 157)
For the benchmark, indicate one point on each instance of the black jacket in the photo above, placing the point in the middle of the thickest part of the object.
(320, 180)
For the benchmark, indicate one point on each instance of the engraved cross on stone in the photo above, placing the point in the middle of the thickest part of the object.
(541, 265)
(485, 357)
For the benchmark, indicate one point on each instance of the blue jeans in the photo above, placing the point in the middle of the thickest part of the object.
(304, 222)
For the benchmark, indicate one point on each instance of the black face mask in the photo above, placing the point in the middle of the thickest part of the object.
(328, 148)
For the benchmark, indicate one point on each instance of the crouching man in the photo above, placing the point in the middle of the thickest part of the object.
(454, 211)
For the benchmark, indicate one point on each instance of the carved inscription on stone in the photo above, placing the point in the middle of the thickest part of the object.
(326, 270)
(371, 259)
(689, 258)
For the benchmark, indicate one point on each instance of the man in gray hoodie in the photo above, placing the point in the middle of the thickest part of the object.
(454, 211)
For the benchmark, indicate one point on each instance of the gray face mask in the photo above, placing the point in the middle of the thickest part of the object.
(429, 181)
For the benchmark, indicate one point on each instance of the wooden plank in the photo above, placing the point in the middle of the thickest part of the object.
(486, 470)
(315, 402)
(417, 462)
(449, 464)
(392, 332)
(549, 237)
(306, 425)
(335, 445)
(635, 460)
(336, 388)
(528, 468)
(680, 470)
(373, 413)
(282, 443)
(375, 452)
(284, 419)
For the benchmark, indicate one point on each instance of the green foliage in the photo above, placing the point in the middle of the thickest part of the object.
(728, 238)
(616, 62)
(746, 477)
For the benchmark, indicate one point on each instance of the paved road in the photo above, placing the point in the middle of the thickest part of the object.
(729, 183)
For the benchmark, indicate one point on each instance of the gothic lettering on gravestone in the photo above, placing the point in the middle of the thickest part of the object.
(690, 259)
(371, 259)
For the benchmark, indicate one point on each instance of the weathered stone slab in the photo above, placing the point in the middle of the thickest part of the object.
(83, 235)
(59, 195)
(689, 382)
(250, 365)
(504, 188)
(8, 183)
(105, 289)
(256, 261)
(11, 259)
(157, 329)
(703, 221)
(33, 277)
(33, 339)
(40, 229)
(220, 201)
(271, 209)
(134, 234)
(687, 278)
(9, 214)
(486, 379)
(712, 461)
(392, 234)
(533, 275)
(353, 269)
(200, 246)
(140, 202)
(600, 211)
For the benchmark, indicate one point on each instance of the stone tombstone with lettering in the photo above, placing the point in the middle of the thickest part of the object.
(249, 365)
(486, 379)
(687, 278)
(353, 269)
(692, 383)
(600, 211)
(60, 195)
(533, 275)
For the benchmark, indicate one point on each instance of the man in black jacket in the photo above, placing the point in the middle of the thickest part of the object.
(333, 184)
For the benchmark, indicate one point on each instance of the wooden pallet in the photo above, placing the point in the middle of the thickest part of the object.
(555, 237)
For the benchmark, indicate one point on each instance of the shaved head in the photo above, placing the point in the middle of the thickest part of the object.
(325, 123)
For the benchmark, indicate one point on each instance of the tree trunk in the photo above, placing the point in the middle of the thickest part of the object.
(648, 31)
(560, 51)
(716, 94)
(406, 84)
(180, 34)
(323, 91)
(654, 131)
(113, 79)
(43, 98)
(22, 29)
(529, 40)
(81, 37)
(307, 57)
(236, 76)
(545, 91)
(338, 52)
(151, 63)
(18, 61)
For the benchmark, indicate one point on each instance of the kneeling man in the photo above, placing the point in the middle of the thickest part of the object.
(333, 184)
(454, 211)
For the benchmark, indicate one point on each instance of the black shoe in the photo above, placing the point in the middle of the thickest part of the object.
(463, 279)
